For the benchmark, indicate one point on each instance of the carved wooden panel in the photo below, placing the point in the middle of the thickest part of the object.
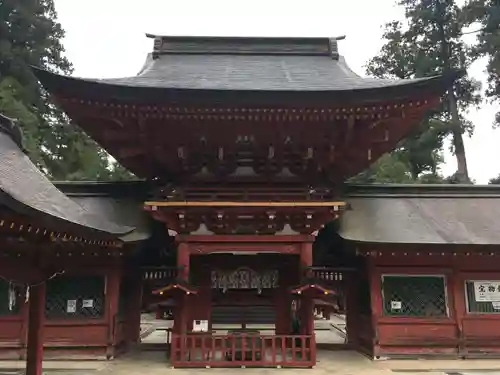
(246, 220)
(244, 278)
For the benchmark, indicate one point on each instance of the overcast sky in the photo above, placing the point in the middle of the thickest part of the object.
(105, 38)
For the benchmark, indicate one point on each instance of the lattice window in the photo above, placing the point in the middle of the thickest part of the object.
(417, 296)
(75, 297)
(480, 307)
(9, 299)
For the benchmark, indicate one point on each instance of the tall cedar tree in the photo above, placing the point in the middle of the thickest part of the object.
(486, 13)
(427, 43)
(30, 35)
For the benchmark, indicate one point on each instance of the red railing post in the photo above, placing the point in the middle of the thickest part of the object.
(243, 350)
(173, 349)
(312, 343)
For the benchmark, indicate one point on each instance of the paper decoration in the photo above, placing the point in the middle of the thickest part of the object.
(200, 325)
(89, 303)
(396, 305)
(12, 297)
(71, 306)
(496, 305)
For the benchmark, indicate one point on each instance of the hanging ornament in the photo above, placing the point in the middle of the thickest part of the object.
(27, 298)
(12, 297)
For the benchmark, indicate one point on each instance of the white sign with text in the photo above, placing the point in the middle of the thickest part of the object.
(487, 291)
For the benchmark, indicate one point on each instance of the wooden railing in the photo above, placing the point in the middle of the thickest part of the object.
(327, 274)
(243, 350)
(333, 278)
(159, 275)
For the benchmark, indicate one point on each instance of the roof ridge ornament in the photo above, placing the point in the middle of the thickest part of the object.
(10, 127)
(158, 42)
(334, 47)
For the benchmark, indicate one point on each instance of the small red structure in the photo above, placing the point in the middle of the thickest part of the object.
(48, 240)
(243, 217)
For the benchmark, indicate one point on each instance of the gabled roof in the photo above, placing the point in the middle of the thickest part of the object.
(422, 214)
(217, 64)
(24, 189)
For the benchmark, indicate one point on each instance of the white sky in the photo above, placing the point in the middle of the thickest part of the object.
(105, 38)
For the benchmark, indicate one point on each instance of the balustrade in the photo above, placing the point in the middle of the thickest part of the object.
(335, 279)
(157, 277)
(239, 349)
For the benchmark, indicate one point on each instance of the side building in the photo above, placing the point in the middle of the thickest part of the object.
(430, 283)
(69, 256)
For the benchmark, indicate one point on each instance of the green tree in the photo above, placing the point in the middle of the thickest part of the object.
(392, 169)
(31, 35)
(427, 43)
(485, 15)
(495, 180)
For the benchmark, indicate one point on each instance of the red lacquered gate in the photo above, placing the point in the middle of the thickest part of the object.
(243, 350)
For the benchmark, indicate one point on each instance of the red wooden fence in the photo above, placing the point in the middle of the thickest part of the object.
(206, 350)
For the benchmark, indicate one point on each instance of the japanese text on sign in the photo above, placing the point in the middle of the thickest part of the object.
(487, 291)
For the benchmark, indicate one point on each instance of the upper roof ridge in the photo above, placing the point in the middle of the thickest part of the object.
(213, 45)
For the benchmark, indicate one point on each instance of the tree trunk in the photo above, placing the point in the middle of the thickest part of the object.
(462, 174)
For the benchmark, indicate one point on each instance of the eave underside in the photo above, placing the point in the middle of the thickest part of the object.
(207, 144)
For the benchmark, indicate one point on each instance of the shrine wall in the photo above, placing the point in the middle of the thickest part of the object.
(86, 315)
(433, 300)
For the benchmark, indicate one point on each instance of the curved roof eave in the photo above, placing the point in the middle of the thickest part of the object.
(113, 90)
(25, 190)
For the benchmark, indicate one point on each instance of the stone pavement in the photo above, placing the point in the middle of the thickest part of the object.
(336, 362)
(330, 331)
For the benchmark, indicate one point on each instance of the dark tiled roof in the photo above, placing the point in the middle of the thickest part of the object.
(252, 72)
(455, 217)
(291, 65)
(26, 190)
(421, 190)
(121, 202)
(126, 212)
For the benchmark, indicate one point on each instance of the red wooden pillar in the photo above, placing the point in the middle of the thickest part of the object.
(36, 321)
(456, 291)
(182, 308)
(182, 313)
(283, 302)
(25, 307)
(306, 314)
(134, 315)
(307, 304)
(282, 322)
(376, 303)
(183, 260)
(112, 295)
(350, 285)
(306, 255)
